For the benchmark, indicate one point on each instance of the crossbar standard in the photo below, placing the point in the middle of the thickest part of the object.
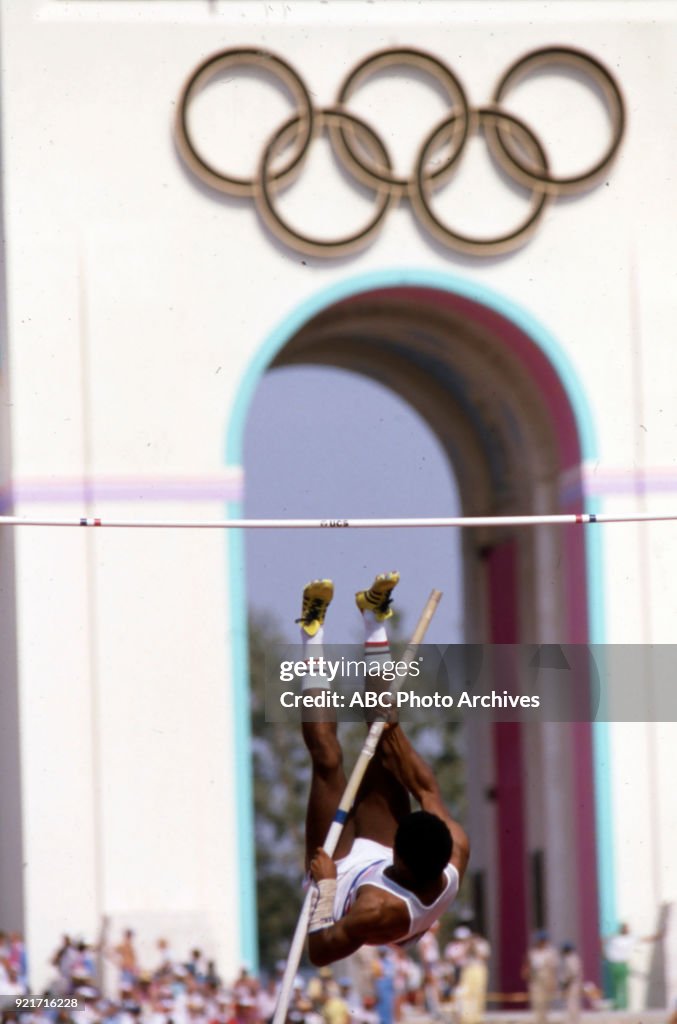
(565, 519)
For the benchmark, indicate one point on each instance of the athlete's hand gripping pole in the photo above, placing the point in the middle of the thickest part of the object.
(344, 808)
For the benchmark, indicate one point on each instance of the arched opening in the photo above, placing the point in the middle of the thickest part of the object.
(329, 443)
(503, 416)
(326, 443)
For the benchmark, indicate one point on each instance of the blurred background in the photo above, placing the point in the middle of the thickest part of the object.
(464, 308)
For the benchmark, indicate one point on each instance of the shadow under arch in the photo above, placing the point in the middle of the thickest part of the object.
(501, 395)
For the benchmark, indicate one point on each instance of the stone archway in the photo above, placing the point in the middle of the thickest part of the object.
(503, 416)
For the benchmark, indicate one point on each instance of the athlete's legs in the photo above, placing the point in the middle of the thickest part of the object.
(382, 801)
(328, 780)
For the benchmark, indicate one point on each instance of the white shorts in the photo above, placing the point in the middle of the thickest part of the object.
(364, 854)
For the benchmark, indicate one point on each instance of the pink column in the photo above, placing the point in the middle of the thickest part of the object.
(510, 813)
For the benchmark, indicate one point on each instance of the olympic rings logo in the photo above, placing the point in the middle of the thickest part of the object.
(363, 153)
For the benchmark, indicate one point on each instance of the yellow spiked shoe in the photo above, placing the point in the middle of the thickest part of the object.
(378, 598)
(317, 597)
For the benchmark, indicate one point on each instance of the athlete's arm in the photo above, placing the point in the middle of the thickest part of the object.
(400, 758)
(371, 919)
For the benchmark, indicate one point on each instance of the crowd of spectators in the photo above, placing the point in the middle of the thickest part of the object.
(382, 985)
(13, 964)
(385, 986)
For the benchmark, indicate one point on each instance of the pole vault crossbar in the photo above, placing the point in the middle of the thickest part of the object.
(565, 519)
(342, 812)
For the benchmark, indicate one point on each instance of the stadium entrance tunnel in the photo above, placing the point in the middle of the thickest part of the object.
(491, 386)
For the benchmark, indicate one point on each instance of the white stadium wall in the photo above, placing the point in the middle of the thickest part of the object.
(142, 305)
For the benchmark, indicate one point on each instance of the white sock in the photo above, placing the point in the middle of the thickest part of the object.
(376, 654)
(376, 645)
(313, 648)
(313, 641)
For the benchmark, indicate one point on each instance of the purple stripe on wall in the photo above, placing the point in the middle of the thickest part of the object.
(77, 489)
(597, 481)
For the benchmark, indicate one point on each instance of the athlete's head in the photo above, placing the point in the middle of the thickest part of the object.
(423, 845)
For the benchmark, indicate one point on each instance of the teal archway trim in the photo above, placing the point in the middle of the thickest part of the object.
(273, 344)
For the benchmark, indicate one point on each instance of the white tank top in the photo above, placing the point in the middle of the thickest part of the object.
(421, 916)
